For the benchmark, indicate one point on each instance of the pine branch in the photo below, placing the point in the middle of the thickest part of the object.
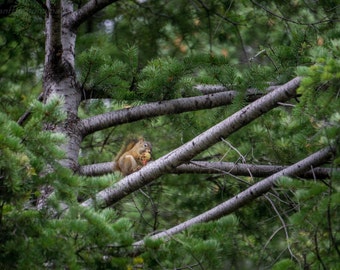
(86, 11)
(204, 167)
(192, 148)
(247, 195)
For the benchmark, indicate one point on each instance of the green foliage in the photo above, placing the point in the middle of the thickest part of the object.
(315, 225)
(135, 52)
(26, 151)
(21, 44)
(30, 238)
(319, 89)
(285, 264)
(161, 79)
(100, 75)
(196, 248)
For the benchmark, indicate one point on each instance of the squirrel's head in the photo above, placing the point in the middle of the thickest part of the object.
(144, 146)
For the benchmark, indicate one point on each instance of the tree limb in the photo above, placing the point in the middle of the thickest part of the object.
(204, 167)
(86, 11)
(192, 148)
(247, 195)
(213, 96)
(153, 109)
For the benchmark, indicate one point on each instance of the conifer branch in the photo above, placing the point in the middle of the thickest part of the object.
(205, 167)
(246, 196)
(192, 148)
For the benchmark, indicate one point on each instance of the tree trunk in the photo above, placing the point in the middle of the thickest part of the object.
(59, 75)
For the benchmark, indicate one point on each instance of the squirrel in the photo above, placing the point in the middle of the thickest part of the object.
(132, 156)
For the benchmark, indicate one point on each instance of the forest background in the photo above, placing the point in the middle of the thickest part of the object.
(240, 100)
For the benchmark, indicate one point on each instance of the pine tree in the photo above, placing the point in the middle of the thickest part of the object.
(239, 99)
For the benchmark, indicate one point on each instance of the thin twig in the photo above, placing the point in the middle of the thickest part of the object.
(283, 225)
(235, 149)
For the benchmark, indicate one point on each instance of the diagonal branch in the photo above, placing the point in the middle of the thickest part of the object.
(205, 167)
(192, 148)
(247, 195)
(86, 11)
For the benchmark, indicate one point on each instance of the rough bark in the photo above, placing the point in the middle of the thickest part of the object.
(189, 150)
(247, 195)
(59, 77)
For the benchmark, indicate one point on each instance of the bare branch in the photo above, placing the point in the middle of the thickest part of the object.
(97, 169)
(284, 226)
(204, 167)
(245, 196)
(211, 88)
(167, 107)
(192, 148)
(86, 11)
(213, 96)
